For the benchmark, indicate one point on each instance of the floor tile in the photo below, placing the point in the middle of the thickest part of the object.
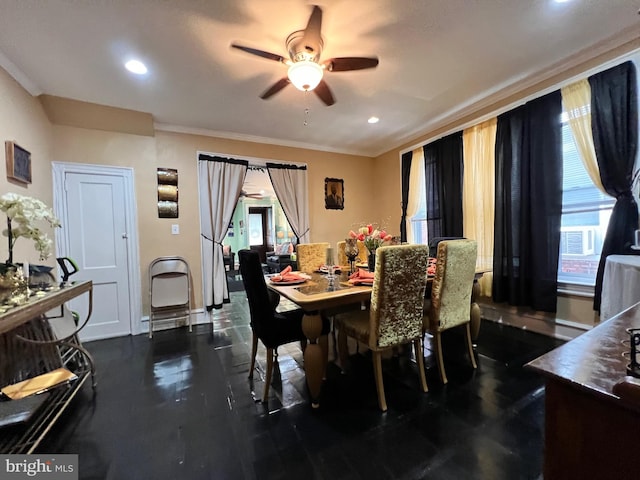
(181, 406)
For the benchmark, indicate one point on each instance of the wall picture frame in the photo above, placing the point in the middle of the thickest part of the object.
(18, 162)
(167, 192)
(333, 194)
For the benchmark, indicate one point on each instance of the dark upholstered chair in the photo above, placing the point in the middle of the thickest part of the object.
(277, 263)
(272, 328)
(450, 304)
(433, 244)
(229, 259)
(395, 315)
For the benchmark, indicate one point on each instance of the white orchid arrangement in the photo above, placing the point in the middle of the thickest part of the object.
(22, 214)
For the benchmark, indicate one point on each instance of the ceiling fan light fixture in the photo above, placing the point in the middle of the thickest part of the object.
(136, 66)
(305, 75)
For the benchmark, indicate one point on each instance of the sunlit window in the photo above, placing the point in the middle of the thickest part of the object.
(585, 217)
(418, 231)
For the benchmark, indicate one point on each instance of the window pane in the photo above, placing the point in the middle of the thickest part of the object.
(419, 230)
(585, 217)
(419, 220)
(255, 229)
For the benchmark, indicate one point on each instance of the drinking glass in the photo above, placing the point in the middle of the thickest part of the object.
(351, 251)
(330, 262)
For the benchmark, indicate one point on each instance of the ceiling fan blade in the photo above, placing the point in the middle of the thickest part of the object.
(275, 88)
(312, 38)
(343, 64)
(322, 90)
(259, 53)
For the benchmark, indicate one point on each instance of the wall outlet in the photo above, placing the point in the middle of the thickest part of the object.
(175, 229)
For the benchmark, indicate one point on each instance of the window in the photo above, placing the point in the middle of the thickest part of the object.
(419, 223)
(418, 232)
(585, 217)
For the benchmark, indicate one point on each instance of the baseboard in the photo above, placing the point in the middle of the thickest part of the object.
(198, 317)
(539, 322)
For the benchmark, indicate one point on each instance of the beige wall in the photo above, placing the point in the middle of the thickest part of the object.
(23, 120)
(176, 150)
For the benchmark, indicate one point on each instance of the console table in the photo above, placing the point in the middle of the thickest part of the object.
(37, 336)
(590, 430)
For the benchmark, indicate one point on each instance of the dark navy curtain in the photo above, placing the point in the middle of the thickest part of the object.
(443, 182)
(528, 203)
(614, 125)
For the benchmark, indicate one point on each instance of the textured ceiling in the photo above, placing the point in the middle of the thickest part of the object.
(438, 60)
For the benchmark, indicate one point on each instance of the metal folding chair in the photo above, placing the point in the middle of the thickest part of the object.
(169, 290)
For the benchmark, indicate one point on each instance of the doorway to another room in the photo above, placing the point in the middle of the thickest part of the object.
(259, 223)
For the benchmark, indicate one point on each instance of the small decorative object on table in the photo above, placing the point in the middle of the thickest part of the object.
(372, 238)
(633, 368)
(22, 214)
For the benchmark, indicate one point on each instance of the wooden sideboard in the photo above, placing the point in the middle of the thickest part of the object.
(590, 432)
(37, 336)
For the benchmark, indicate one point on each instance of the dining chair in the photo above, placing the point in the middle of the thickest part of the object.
(342, 257)
(395, 314)
(169, 290)
(270, 327)
(311, 256)
(450, 304)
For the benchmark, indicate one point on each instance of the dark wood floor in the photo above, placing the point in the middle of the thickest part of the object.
(180, 406)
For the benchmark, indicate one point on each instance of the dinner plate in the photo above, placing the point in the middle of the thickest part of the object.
(290, 282)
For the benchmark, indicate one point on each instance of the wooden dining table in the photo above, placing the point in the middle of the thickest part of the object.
(313, 296)
(320, 293)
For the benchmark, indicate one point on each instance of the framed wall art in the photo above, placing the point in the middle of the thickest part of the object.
(18, 162)
(333, 194)
(167, 193)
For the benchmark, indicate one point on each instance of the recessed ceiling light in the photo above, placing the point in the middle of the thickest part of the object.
(373, 120)
(562, 1)
(136, 66)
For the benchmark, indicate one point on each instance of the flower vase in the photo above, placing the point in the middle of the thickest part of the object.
(371, 260)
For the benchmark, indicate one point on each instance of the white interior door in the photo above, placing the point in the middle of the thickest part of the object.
(96, 235)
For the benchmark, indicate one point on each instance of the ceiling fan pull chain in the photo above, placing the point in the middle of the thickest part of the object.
(306, 109)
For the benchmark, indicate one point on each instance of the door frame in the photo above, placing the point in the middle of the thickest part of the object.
(59, 170)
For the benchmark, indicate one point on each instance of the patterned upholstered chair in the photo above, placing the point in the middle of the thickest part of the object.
(342, 257)
(395, 315)
(310, 256)
(450, 304)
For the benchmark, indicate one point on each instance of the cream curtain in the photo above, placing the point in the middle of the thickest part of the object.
(416, 190)
(290, 184)
(220, 181)
(478, 193)
(576, 99)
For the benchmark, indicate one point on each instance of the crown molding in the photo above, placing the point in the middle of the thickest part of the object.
(588, 61)
(19, 76)
(164, 127)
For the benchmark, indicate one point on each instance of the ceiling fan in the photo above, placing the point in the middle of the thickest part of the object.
(305, 71)
(244, 194)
